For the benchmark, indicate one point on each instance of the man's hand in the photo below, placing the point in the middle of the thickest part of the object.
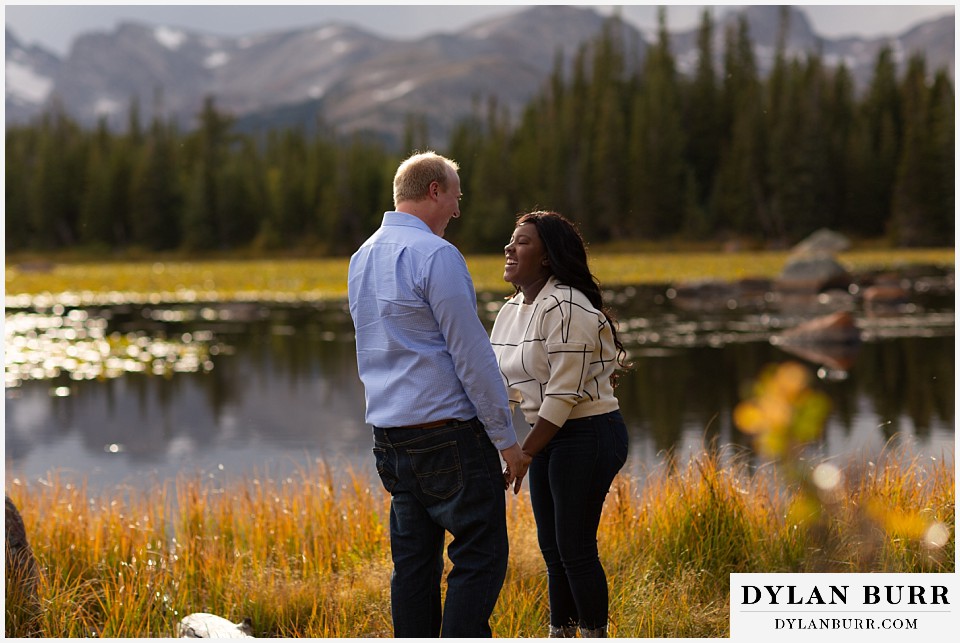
(517, 464)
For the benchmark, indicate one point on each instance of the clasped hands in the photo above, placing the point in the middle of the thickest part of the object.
(518, 462)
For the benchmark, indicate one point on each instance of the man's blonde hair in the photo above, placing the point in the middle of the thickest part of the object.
(414, 176)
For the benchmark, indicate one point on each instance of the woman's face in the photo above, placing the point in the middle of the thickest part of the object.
(526, 257)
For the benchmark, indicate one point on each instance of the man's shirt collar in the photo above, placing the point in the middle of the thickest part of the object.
(394, 218)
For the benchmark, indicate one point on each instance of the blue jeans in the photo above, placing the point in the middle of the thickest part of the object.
(440, 480)
(569, 480)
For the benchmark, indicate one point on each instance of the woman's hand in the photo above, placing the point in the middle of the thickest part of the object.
(540, 434)
(517, 464)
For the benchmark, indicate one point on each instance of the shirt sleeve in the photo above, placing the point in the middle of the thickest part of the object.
(571, 335)
(449, 290)
(514, 396)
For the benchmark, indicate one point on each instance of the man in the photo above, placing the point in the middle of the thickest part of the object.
(438, 407)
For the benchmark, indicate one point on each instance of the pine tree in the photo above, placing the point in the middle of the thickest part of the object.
(96, 211)
(156, 197)
(487, 185)
(738, 196)
(943, 153)
(874, 151)
(917, 194)
(801, 164)
(242, 195)
(202, 221)
(326, 206)
(703, 114)
(657, 138)
(609, 140)
(363, 182)
(783, 117)
(57, 186)
(838, 127)
(287, 185)
(416, 134)
(543, 144)
(18, 172)
(577, 125)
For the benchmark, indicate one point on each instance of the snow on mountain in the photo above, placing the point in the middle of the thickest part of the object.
(362, 81)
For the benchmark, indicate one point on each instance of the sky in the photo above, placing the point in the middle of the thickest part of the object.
(55, 26)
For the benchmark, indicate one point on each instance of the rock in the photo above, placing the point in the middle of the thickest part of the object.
(831, 340)
(835, 328)
(755, 286)
(811, 266)
(22, 576)
(703, 295)
(837, 357)
(201, 625)
(883, 295)
(887, 279)
(812, 274)
(821, 242)
(709, 295)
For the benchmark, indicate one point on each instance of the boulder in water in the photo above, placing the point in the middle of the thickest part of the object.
(812, 275)
(835, 328)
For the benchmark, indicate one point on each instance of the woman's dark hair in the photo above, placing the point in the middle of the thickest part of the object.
(567, 253)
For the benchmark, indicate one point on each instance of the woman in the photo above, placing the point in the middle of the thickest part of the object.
(558, 349)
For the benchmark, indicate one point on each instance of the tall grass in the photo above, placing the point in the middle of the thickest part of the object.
(308, 555)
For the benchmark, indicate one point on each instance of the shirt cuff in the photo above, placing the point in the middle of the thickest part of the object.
(555, 410)
(503, 439)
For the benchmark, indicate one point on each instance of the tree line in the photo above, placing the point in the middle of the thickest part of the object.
(625, 145)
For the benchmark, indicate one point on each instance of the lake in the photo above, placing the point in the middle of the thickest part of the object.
(141, 394)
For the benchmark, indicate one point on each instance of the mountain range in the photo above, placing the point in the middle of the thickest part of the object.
(361, 82)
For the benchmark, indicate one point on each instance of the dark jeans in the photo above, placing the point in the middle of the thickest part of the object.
(446, 479)
(569, 480)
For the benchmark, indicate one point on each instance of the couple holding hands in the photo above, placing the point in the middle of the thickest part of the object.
(440, 394)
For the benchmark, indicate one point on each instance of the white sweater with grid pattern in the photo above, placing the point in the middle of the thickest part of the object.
(556, 355)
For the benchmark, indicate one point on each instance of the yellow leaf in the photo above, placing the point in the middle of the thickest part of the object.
(748, 418)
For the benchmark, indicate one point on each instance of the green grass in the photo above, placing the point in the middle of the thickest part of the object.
(82, 282)
(308, 555)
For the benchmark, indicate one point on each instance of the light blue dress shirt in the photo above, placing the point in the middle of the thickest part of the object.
(422, 353)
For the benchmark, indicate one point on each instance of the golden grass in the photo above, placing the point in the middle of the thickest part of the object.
(155, 282)
(308, 555)
(323, 279)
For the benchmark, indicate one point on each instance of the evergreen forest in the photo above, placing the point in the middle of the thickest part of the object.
(633, 151)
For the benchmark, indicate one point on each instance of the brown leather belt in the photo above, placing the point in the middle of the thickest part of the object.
(429, 425)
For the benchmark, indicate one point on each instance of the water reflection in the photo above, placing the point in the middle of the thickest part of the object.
(281, 387)
(42, 346)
